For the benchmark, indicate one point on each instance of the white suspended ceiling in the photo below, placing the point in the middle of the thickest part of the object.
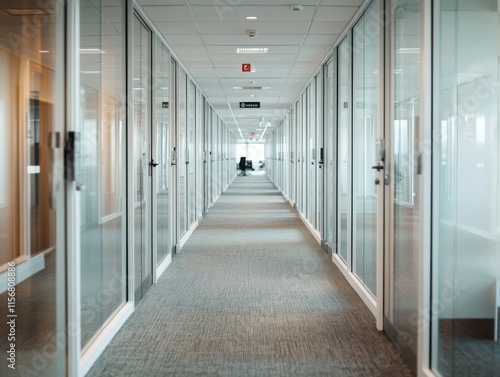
(206, 33)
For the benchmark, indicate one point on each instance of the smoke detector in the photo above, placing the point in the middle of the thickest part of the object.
(251, 33)
(296, 7)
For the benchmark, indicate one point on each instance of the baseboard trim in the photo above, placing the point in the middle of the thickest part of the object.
(356, 285)
(91, 355)
(309, 226)
(163, 266)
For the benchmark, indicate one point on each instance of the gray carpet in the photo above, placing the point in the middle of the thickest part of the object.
(251, 294)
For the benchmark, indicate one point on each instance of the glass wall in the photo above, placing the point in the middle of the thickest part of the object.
(141, 138)
(305, 154)
(161, 155)
(102, 127)
(365, 132)
(207, 155)
(182, 155)
(200, 146)
(311, 152)
(465, 189)
(319, 155)
(31, 188)
(190, 152)
(344, 149)
(329, 157)
(401, 310)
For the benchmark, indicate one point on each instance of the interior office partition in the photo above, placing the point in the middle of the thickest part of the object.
(161, 158)
(102, 176)
(465, 189)
(404, 243)
(32, 188)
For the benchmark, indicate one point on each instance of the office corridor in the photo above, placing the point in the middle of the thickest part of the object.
(251, 294)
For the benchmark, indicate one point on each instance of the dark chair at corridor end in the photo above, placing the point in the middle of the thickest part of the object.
(243, 166)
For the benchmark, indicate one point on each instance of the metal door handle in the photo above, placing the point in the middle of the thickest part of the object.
(378, 167)
(153, 163)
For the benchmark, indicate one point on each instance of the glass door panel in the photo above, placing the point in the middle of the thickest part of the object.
(401, 309)
(465, 190)
(161, 152)
(306, 155)
(182, 202)
(311, 153)
(32, 199)
(365, 133)
(190, 153)
(329, 152)
(344, 150)
(141, 129)
(102, 221)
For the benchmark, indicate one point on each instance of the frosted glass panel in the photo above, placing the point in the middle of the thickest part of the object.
(466, 226)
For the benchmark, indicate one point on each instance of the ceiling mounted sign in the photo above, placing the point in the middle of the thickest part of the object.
(246, 67)
(249, 105)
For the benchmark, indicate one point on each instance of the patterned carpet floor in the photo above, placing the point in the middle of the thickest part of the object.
(251, 294)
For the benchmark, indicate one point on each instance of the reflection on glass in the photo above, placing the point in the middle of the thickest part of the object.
(141, 127)
(344, 149)
(366, 36)
(466, 221)
(305, 160)
(329, 152)
(207, 154)
(102, 165)
(182, 155)
(31, 194)
(311, 152)
(162, 157)
(405, 243)
(190, 152)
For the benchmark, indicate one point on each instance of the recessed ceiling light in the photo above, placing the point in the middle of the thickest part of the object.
(44, 51)
(91, 51)
(251, 17)
(252, 95)
(238, 87)
(252, 50)
(408, 50)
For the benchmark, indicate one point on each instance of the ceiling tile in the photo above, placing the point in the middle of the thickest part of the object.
(328, 27)
(184, 40)
(320, 39)
(174, 28)
(204, 35)
(239, 27)
(168, 13)
(259, 40)
(332, 13)
(265, 12)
